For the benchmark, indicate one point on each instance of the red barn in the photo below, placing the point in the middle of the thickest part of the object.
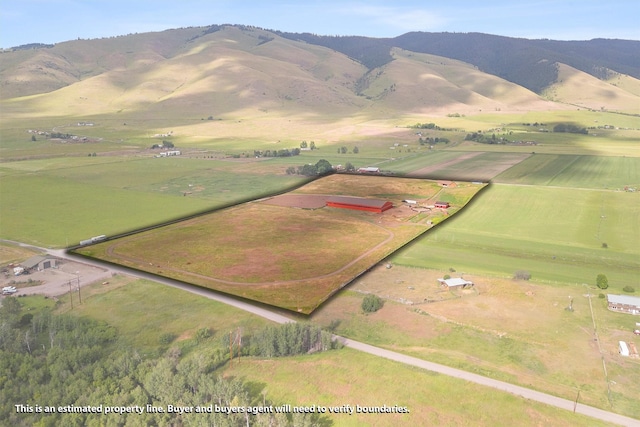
(442, 205)
(359, 204)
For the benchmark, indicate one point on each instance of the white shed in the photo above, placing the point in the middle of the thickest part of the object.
(624, 349)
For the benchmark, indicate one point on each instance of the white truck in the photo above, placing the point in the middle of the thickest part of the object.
(8, 290)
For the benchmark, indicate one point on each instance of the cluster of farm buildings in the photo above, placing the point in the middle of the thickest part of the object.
(625, 304)
(373, 205)
(379, 205)
(35, 263)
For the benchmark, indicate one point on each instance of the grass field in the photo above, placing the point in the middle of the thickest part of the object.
(283, 255)
(331, 379)
(123, 302)
(575, 171)
(554, 233)
(348, 377)
(515, 331)
(82, 197)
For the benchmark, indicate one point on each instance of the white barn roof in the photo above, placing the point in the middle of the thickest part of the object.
(456, 281)
(624, 350)
(623, 299)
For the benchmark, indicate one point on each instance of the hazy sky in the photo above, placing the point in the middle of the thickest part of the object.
(51, 21)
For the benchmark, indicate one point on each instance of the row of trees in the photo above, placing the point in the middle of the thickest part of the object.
(322, 167)
(569, 128)
(310, 146)
(345, 150)
(433, 141)
(285, 152)
(485, 139)
(290, 339)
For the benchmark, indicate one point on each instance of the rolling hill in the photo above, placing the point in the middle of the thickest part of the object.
(237, 72)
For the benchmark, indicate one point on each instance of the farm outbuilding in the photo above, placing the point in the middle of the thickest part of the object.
(623, 349)
(455, 282)
(442, 205)
(447, 184)
(359, 203)
(38, 263)
(369, 169)
(624, 303)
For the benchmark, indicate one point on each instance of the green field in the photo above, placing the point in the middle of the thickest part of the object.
(554, 233)
(575, 171)
(58, 202)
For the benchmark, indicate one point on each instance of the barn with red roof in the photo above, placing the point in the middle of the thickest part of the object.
(359, 204)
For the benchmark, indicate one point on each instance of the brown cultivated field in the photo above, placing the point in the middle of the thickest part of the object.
(289, 251)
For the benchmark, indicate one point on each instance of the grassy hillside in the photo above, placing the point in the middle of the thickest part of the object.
(583, 90)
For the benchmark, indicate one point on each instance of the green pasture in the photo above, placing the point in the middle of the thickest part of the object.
(575, 171)
(164, 310)
(554, 233)
(57, 202)
(419, 160)
(361, 379)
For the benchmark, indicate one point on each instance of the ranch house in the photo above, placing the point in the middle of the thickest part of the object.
(359, 204)
(442, 205)
(624, 303)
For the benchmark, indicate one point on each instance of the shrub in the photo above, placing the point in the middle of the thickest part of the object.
(166, 338)
(602, 282)
(522, 275)
(601, 296)
(446, 277)
(202, 334)
(629, 289)
(371, 303)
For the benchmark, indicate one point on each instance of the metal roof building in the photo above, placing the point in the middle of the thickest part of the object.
(359, 203)
(455, 282)
(624, 303)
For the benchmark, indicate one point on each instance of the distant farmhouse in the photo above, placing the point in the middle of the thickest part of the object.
(456, 282)
(447, 184)
(369, 169)
(442, 205)
(359, 204)
(624, 303)
(169, 153)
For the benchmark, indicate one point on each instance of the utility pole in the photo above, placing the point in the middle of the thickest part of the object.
(78, 279)
(70, 295)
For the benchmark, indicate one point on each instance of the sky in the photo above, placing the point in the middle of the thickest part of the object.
(53, 21)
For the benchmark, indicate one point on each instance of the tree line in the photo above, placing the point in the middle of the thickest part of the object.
(321, 167)
(61, 359)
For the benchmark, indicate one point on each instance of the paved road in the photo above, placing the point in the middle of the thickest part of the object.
(376, 351)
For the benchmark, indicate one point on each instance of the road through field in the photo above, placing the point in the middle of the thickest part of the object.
(275, 316)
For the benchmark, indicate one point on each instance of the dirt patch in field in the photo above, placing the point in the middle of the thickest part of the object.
(302, 201)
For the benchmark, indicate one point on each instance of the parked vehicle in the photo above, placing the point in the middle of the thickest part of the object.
(8, 290)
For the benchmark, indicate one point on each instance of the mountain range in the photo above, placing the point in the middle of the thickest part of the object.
(232, 69)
